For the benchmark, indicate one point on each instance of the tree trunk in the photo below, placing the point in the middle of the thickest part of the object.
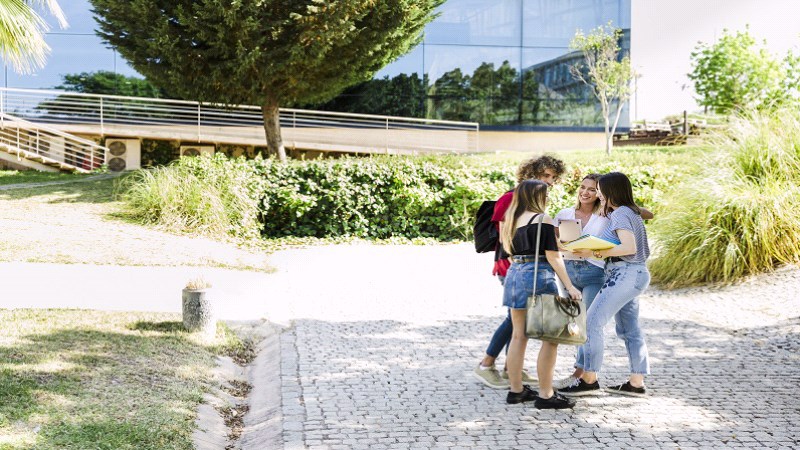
(609, 136)
(610, 139)
(272, 128)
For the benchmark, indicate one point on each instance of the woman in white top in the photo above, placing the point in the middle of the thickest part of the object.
(586, 274)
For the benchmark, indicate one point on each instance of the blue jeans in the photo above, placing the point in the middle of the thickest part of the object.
(523, 275)
(519, 283)
(587, 278)
(501, 336)
(618, 299)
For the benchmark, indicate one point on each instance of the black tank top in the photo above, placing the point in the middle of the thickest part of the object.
(524, 242)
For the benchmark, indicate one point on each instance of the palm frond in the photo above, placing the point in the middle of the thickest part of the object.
(22, 30)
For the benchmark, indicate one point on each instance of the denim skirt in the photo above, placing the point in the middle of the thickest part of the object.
(519, 283)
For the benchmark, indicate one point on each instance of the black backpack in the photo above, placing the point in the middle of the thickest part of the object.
(484, 230)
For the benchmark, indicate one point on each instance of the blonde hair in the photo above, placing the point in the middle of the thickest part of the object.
(530, 195)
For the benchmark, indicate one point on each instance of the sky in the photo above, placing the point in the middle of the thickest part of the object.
(663, 35)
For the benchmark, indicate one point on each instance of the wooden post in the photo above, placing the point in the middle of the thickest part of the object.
(685, 123)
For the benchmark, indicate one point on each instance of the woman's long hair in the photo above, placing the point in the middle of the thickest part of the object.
(596, 178)
(530, 195)
(617, 190)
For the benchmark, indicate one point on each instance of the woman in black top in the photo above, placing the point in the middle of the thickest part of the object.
(518, 235)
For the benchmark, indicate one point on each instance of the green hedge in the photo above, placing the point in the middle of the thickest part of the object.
(377, 197)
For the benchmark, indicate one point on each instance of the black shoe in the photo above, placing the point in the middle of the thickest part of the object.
(580, 388)
(556, 401)
(527, 395)
(627, 389)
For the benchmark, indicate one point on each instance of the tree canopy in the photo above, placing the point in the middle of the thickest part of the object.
(263, 52)
(606, 70)
(110, 83)
(737, 73)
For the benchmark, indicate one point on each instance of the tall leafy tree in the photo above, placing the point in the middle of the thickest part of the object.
(447, 97)
(22, 32)
(606, 71)
(107, 82)
(737, 73)
(403, 95)
(264, 52)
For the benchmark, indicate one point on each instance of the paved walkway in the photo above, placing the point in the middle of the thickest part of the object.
(383, 340)
(385, 361)
(378, 344)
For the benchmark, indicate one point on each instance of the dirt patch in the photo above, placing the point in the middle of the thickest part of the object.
(81, 223)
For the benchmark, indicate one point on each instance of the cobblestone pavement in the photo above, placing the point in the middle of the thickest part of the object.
(387, 362)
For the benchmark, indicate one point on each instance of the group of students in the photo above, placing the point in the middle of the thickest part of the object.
(607, 281)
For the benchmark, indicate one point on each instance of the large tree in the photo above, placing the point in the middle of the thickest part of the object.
(607, 71)
(737, 73)
(22, 32)
(263, 52)
(110, 83)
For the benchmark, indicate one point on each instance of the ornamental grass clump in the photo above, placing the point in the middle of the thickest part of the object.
(736, 218)
(211, 196)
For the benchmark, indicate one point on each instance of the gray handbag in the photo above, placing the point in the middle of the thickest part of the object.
(550, 317)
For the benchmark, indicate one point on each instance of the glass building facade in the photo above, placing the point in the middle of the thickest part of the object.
(502, 63)
(505, 63)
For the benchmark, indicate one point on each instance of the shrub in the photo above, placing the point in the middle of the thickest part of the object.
(736, 219)
(377, 197)
(212, 196)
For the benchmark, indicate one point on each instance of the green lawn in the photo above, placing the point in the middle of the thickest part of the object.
(33, 176)
(73, 379)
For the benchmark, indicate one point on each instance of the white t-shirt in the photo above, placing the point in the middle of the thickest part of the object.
(597, 224)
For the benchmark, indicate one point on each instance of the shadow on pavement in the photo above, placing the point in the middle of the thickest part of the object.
(387, 379)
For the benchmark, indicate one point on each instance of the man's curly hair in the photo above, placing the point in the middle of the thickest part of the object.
(533, 168)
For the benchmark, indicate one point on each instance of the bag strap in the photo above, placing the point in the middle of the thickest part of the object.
(536, 261)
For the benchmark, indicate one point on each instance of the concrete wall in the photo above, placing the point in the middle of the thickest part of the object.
(540, 141)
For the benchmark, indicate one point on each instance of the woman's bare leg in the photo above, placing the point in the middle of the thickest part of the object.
(545, 365)
(516, 350)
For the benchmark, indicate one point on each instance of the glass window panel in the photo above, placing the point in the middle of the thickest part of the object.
(561, 113)
(478, 84)
(407, 64)
(552, 23)
(547, 74)
(476, 22)
(440, 59)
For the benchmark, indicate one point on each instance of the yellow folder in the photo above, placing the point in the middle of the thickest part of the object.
(587, 241)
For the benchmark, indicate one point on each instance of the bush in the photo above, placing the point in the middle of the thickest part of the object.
(737, 219)
(378, 197)
(212, 196)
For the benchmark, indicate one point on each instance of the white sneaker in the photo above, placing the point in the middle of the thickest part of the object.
(564, 382)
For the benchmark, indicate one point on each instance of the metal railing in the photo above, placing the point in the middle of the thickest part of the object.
(49, 145)
(240, 125)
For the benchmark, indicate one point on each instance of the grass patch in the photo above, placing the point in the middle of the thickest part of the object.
(95, 191)
(33, 176)
(735, 219)
(72, 379)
